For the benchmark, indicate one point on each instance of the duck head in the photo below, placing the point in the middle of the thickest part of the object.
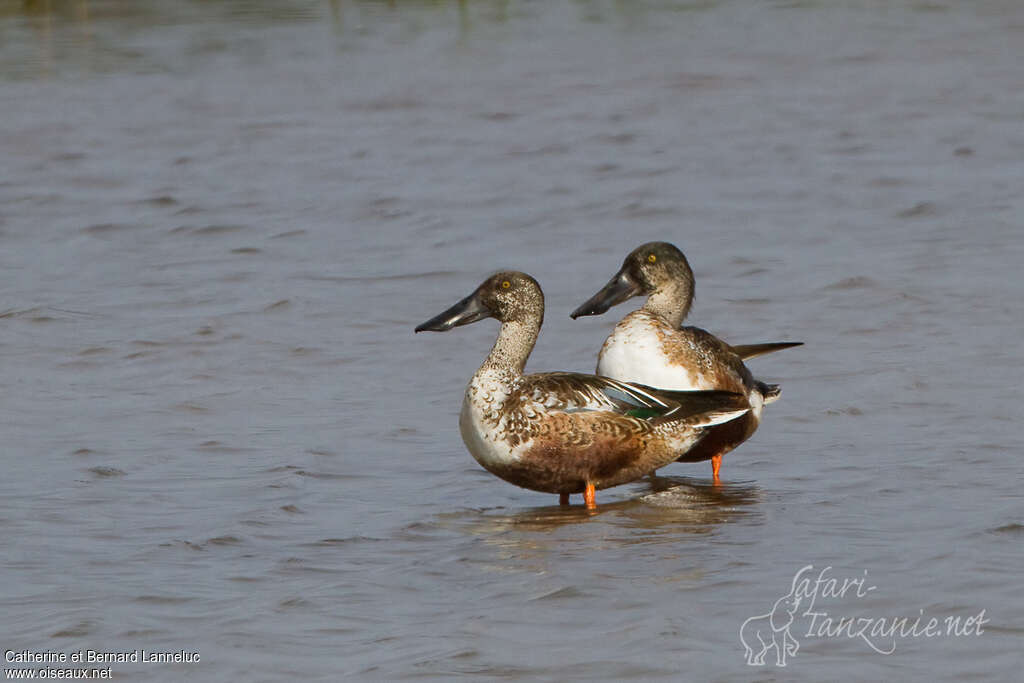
(652, 269)
(509, 296)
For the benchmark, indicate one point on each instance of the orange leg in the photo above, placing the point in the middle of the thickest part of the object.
(716, 464)
(563, 498)
(588, 497)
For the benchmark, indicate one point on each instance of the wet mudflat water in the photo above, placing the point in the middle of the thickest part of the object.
(219, 223)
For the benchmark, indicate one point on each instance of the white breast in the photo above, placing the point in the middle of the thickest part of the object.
(480, 406)
(633, 353)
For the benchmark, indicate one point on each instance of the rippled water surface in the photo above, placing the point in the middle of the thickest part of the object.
(220, 222)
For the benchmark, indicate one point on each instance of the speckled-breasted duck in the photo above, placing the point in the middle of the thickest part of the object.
(563, 432)
(649, 345)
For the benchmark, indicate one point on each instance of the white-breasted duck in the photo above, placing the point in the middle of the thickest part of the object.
(563, 432)
(651, 347)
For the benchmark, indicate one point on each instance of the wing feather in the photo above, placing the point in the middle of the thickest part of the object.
(575, 392)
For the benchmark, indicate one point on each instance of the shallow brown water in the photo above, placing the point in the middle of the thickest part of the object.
(219, 223)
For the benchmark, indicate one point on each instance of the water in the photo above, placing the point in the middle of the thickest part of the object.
(219, 223)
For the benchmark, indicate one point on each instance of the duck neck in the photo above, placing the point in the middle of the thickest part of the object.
(513, 346)
(672, 302)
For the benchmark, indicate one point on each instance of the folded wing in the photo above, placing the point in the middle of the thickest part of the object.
(574, 392)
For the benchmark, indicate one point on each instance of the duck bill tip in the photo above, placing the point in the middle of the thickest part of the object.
(620, 288)
(467, 311)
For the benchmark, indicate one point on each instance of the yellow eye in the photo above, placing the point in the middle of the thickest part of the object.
(506, 284)
(652, 258)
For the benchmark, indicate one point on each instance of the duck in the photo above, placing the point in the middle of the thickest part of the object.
(566, 432)
(651, 347)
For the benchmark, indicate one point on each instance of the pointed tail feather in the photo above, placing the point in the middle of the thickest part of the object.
(748, 351)
(704, 408)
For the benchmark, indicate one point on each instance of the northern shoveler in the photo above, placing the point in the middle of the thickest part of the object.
(563, 432)
(649, 346)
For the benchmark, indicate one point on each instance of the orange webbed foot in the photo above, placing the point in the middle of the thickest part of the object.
(589, 497)
(716, 464)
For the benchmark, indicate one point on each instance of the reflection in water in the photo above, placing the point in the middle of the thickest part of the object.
(665, 512)
(677, 502)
